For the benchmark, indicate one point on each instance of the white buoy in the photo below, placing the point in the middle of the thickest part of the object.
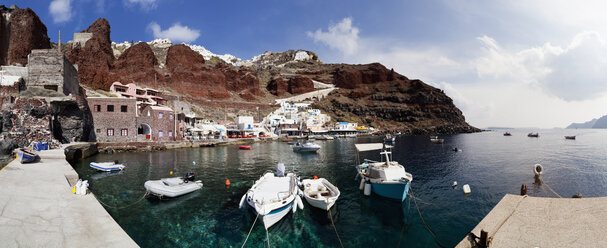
(367, 191)
(454, 184)
(538, 169)
(241, 204)
(362, 184)
(294, 208)
(466, 189)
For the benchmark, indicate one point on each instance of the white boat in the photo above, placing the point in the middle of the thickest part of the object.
(326, 137)
(106, 166)
(173, 187)
(386, 178)
(435, 139)
(306, 147)
(272, 197)
(320, 193)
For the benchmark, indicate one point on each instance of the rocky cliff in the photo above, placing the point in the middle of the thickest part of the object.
(20, 31)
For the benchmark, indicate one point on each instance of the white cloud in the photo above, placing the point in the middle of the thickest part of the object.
(176, 33)
(341, 36)
(61, 10)
(144, 4)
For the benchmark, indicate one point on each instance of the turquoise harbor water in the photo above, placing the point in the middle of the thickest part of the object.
(492, 164)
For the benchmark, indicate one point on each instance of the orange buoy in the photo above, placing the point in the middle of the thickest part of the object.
(227, 182)
(315, 177)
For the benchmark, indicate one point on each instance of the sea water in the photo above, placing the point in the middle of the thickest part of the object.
(492, 164)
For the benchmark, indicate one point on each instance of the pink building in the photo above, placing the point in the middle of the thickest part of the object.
(143, 95)
(157, 123)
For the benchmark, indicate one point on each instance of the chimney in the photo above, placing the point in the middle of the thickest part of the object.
(59, 46)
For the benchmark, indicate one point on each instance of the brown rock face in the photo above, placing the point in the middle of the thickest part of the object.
(278, 86)
(182, 55)
(101, 33)
(352, 76)
(136, 64)
(300, 85)
(27, 32)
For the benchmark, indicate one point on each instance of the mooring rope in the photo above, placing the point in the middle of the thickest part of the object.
(116, 207)
(245, 240)
(402, 229)
(424, 221)
(550, 188)
(268, 237)
(334, 228)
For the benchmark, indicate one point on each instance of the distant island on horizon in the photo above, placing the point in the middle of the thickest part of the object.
(594, 123)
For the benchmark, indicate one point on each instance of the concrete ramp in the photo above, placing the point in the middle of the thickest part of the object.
(525, 221)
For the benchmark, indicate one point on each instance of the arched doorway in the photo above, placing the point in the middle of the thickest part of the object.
(146, 130)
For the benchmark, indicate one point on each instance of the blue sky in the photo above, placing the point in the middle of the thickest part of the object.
(505, 63)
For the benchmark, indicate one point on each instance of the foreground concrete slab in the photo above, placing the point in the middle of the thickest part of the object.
(524, 221)
(38, 209)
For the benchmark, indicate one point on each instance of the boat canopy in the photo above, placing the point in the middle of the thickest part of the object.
(370, 147)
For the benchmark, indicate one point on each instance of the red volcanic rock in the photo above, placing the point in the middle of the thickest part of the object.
(27, 32)
(184, 56)
(101, 33)
(247, 96)
(300, 85)
(278, 86)
(137, 64)
(352, 76)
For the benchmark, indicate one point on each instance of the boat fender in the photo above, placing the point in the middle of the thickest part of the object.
(367, 191)
(362, 184)
(315, 177)
(299, 203)
(241, 204)
(538, 169)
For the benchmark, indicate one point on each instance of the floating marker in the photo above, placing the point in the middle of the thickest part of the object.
(171, 173)
(454, 184)
(227, 182)
(466, 189)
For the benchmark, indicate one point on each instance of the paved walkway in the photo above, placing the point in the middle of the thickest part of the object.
(518, 221)
(38, 209)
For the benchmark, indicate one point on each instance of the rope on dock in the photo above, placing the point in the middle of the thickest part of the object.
(245, 240)
(550, 188)
(334, 228)
(506, 219)
(116, 207)
(424, 221)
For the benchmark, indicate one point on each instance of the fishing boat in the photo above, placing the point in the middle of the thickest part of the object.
(244, 147)
(533, 135)
(570, 137)
(385, 178)
(320, 193)
(26, 155)
(273, 196)
(173, 187)
(306, 147)
(436, 140)
(107, 166)
(507, 134)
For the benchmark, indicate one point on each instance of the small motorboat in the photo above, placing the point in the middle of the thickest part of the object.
(273, 197)
(173, 187)
(107, 166)
(436, 140)
(306, 147)
(533, 135)
(26, 155)
(507, 134)
(244, 147)
(320, 193)
(570, 137)
(386, 178)
(326, 137)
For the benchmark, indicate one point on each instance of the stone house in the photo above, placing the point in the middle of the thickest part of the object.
(157, 123)
(50, 69)
(114, 119)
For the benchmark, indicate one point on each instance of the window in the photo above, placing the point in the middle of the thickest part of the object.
(159, 133)
(123, 108)
(110, 132)
(170, 133)
(148, 113)
(110, 108)
(124, 132)
(97, 108)
(170, 116)
(159, 115)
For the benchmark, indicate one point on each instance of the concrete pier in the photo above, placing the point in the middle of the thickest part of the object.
(38, 209)
(525, 221)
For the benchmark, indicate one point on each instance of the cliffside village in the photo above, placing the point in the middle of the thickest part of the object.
(131, 113)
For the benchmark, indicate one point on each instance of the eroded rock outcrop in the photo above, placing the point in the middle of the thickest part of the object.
(136, 64)
(26, 32)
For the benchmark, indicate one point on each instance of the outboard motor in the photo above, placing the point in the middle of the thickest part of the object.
(189, 177)
(280, 170)
(116, 162)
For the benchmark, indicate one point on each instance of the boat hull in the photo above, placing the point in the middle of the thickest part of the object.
(25, 157)
(306, 149)
(106, 166)
(276, 215)
(391, 190)
(158, 188)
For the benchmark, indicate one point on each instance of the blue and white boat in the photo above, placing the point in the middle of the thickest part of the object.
(306, 147)
(273, 197)
(385, 178)
(26, 155)
(106, 166)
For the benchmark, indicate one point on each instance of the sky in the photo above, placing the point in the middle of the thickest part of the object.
(509, 63)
